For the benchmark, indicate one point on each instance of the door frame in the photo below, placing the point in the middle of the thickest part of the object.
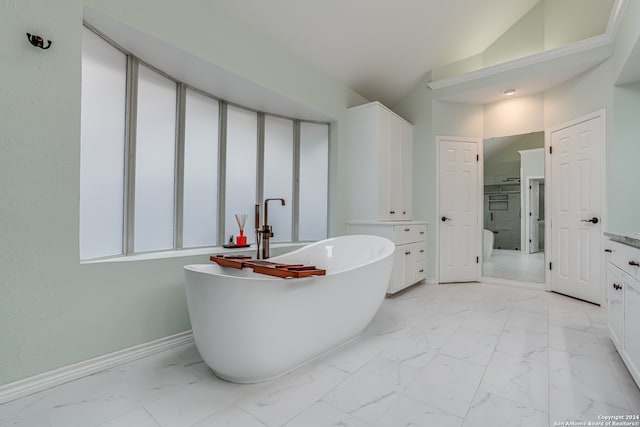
(479, 200)
(526, 201)
(603, 196)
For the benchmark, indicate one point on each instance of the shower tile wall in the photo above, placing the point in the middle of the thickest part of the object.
(502, 215)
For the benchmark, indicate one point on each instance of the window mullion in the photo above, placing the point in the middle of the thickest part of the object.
(222, 169)
(130, 157)
(179, 178)
(295, 203)
(260, 160)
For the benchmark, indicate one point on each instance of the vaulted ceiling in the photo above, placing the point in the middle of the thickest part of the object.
(380, 48)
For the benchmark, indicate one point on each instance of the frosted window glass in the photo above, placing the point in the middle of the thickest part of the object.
(278, 174)
(242, 149)
(200, 212)
(104, 70)
(314, 164)
(155, 162)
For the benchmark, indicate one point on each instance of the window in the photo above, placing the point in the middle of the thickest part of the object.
(155, 162)
(104, 90)
(242, 152)
(278, 174)
(314, 186)
(166, 166)
(201, 145)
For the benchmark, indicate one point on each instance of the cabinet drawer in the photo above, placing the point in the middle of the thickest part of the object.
(403, 234)
(624, 256)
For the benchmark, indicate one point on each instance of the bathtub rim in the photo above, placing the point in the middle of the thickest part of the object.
(221, 273)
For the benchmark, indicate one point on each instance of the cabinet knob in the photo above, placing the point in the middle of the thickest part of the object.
(421, 250)
(408, 253)
(392, 212)
(422, 233)
(407, 229)
(421, 270)
(404, 212)
(617, 287)
(634, 263)
(608, 250)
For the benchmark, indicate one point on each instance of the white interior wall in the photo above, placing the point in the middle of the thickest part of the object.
(514, 116)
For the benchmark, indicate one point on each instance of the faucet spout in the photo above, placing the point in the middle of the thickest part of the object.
(266, 232)
(266, 209)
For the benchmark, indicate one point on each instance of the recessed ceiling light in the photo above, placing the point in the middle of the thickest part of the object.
(509, 91)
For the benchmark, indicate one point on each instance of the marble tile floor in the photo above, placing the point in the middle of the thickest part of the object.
(436, 355)
(514, 265)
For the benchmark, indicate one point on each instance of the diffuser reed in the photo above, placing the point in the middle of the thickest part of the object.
(241, 219)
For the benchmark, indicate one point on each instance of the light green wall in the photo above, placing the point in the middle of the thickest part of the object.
(623, 153)
(560, 31)
(524, 38)
(55, 311)
(628, 36)
(544, 27)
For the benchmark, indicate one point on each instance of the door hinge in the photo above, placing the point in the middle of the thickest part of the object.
(530, 214)
(550, 150)
(477, 260)
(529, 240)
(477, 157)
(550, 266)
(530, 188)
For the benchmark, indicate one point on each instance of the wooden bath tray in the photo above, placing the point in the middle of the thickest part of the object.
(266, 267)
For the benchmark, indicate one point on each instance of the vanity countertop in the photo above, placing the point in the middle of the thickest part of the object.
(623, 238)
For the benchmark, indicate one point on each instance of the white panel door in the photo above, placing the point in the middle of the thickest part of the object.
(458, 218)
(576, 163)
(534, 217)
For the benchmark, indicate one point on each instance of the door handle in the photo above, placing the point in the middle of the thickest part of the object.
(593, 220)
(444, 218)
(634, 263)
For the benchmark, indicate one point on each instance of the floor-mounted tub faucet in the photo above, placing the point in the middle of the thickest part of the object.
(266, 232)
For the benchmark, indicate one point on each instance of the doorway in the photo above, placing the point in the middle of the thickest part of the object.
(513, 213)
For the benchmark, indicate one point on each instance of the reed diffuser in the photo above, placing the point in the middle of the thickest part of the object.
(241, 239)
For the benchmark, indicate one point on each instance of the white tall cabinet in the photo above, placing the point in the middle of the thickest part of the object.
(623, 303)
(380, 149)
(379, 193)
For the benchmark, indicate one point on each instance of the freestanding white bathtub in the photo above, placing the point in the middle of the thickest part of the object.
(250, 327)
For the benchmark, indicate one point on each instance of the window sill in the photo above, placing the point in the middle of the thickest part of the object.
(278, 248)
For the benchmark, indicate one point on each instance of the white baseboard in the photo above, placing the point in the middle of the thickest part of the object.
(36, 383)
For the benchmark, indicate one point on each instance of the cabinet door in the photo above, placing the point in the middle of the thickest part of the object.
(397, 274)
(386, 210)
(632, 324)
(406, 168)
(410, 254)
(395, 157)
(615, 296)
